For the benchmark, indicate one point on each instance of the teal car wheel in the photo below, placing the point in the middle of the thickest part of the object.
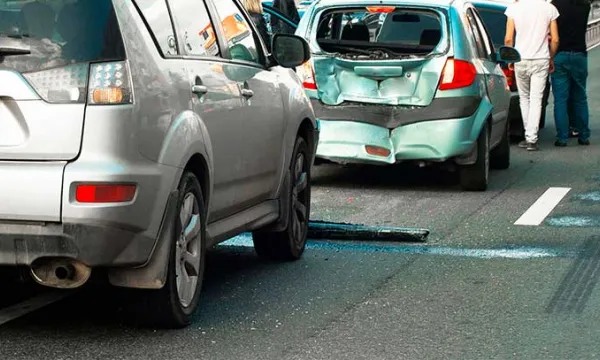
(475, 177)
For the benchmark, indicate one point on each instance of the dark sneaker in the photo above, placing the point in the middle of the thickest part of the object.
(583, 142)
(560, 143)
(573, 133)
(532, 146)
(523, 144)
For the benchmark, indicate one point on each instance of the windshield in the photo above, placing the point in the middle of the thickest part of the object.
(495, 23)
(59, 32)
(380, 33)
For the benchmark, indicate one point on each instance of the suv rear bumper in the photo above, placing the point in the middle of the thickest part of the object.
(94, 245)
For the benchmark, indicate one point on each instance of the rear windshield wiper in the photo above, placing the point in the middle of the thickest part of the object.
(11, 45)
(354, 50)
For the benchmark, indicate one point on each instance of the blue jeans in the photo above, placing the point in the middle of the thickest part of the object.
(569, 86)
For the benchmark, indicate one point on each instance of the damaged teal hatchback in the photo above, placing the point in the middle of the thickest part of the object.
(407, 80)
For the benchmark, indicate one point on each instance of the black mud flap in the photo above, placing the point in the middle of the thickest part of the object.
(321, 230)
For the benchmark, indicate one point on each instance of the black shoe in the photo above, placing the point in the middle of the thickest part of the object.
(583, 142)
(560, 143)
(532, 146)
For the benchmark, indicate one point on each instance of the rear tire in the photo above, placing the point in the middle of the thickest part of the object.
(174, 304)
(500, 156)
(289, 244)
(475, 177)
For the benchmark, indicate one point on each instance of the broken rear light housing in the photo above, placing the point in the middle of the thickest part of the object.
(306, 73)
(457, 74)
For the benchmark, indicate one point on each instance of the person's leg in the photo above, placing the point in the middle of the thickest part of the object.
(579, 73)
(539, 78)
(561, 88)
(523, 84)
(571, 112)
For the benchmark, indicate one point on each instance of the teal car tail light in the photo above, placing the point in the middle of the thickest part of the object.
(457, 74)
(306, 73)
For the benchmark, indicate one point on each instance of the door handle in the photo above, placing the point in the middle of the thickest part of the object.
(199, 89)
(247, 93)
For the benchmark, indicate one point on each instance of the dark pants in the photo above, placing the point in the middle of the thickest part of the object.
(569, 86)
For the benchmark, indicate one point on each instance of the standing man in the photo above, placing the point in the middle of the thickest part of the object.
(532, 20)
(570, 76)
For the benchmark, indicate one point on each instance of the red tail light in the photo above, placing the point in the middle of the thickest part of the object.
(307, 75)
(457, 74)
(90, 193)
(510, 77)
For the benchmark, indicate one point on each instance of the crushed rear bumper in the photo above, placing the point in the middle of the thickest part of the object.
(438, 132)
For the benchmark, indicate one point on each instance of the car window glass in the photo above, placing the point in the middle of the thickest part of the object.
(489, 45)
(157, 16)
(480, 47)
(60, 32)
(495, 23)
(238, 33)
(277, 23)
(402, 31)
(195, 28)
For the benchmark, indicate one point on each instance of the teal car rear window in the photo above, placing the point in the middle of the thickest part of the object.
(379, 32)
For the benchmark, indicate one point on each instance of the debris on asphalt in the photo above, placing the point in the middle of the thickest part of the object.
(357, 232)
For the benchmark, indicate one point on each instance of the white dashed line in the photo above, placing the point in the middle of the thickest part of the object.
(30, 305)
(542, 207)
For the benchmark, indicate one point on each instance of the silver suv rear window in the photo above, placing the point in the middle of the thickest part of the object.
(388, 32)
(59, 32)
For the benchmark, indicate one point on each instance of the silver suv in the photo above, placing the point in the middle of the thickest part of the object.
(135, 134)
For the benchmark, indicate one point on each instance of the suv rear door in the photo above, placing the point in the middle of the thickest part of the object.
(261, 119)
(44, 67)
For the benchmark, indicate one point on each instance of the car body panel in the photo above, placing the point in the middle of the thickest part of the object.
(414, 120)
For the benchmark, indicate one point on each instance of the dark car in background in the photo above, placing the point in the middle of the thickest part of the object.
(492, 13)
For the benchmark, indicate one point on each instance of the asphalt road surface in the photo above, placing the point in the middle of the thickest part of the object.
(481, 287)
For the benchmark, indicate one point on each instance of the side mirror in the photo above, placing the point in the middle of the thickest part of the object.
(290, 51)
(507, 55)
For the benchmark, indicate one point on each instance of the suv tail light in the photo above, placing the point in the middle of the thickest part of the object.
(457, 74)
(306, 73)
(110, 84)
(65, 84)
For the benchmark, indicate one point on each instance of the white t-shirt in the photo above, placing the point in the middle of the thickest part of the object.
(532, 20)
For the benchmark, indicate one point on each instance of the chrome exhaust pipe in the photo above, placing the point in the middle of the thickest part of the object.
(61, 273)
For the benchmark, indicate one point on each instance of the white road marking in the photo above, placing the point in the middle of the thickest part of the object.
(30, 305)
(543, 206)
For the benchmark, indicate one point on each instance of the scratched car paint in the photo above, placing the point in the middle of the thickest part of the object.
(407, 80)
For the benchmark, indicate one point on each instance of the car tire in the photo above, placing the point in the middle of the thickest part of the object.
(289, 244)
(475, 177)
(173, 306)
(500, 156)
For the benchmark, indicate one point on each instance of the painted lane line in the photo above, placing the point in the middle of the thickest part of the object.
(540, 209)
(23, 308)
